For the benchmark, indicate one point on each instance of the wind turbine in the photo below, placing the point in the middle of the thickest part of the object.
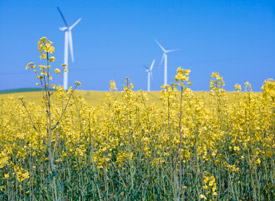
(149, 71)
(164, 57)
(68, 42)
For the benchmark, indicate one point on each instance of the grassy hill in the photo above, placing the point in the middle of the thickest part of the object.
(93, 98)
(10, 91)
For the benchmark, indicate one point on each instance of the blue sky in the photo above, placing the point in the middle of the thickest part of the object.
(115, 39)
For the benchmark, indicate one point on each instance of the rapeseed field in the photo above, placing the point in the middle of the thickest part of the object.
(187, 146)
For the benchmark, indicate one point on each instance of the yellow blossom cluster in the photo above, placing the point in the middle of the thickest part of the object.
(269, 88)
(182, 75)
(46, 48)
(209, 184)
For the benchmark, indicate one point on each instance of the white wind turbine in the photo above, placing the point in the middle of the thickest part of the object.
(164, 57)
(68, 42)
(149, 71)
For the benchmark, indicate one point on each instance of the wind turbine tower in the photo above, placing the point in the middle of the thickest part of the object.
(68, 42)
(149, 71)
(164, 57)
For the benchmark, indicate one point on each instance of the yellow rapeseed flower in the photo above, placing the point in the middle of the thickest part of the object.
(52, 59)
(77, 83)
(57, 70)
(202, 197)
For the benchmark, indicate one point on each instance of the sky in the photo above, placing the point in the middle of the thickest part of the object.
(115, 39)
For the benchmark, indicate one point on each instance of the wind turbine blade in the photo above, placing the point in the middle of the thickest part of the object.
(173, 50)
(71, 27)
(62, 16)
(146, 67)
(162, 58)
(160, 46)
(63, 28)
(71, 45)
(152, 65)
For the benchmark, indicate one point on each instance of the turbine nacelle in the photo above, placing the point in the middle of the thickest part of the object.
(151, 66)
(71, 27)
(164, 50)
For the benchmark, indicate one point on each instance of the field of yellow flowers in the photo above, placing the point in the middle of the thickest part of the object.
(128, 148)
